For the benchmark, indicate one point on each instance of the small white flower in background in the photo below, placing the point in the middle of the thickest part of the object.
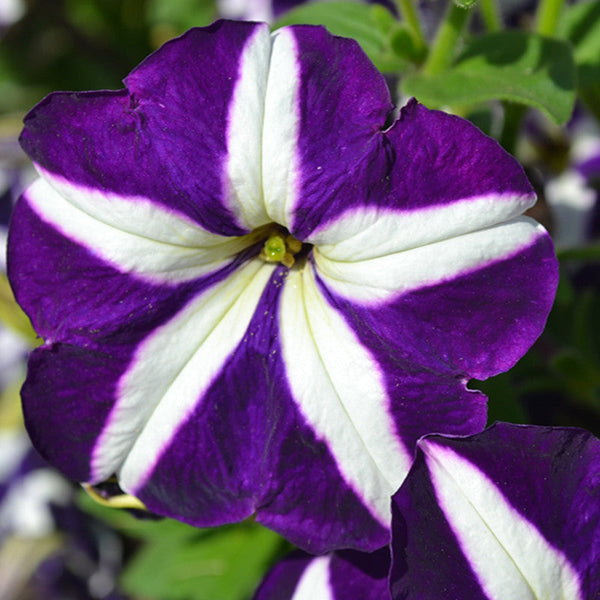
(25, 505)
(571, 202)
(570, 196)
(10, 12)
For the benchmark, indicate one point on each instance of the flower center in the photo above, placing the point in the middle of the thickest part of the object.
(281, 247)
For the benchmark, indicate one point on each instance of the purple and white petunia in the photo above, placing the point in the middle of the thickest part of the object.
(512, 512)
(258, 287)
(336, 576)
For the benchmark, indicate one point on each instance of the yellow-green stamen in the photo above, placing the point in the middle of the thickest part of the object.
(278, 248)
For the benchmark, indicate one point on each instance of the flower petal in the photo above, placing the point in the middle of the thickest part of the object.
(367, 233)
(326, 106)
(426, 160)
(380, 279)
(261, 166)
(314, 582)
(132, 234)
(155, 395)
(511, 512)
(281, 582)
(240, 445)
(341, 391)
(494, 286)
(322, 103)
(345, 574)
(64, 430)
(163, 138)
(218, 386)
(81, 278)
(243, 176)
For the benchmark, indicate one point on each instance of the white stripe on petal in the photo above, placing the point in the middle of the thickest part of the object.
(508, 553)
(370, 232)
(340, 390)
(243, 171)
(314, 584)
(134, 235)
(171, 371)
(280, 134)
(385, 277)
(262, 134)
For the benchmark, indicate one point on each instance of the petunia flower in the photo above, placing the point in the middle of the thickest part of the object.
(512, 512)
(258, 286)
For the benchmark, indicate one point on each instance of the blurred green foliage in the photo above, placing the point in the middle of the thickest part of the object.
(175, 561)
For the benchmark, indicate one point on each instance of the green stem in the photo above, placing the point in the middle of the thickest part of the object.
(409, 15)
(547, 16)
(490, 15)
(444, 46)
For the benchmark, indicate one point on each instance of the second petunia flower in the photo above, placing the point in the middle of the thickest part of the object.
(258, 286)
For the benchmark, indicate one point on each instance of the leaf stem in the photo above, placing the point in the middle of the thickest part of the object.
(409, 15)
(547, 16)
(490, 15)
(444, 46)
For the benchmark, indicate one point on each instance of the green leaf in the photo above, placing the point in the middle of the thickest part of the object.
(511, 65)
(126, 523)
(179, 562)
(405, 45)
(586, 324)
(222, 564)
(11, 415)
(580, 25)
(372, 26)
(176, 16)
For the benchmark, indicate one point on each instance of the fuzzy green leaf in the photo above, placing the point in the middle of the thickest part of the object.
(511, 65)
(222, 564)
(580, 25)
(372, 26)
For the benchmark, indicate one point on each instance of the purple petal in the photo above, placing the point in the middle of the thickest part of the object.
(499, 308)
(162, 138)
(82, 297)
(424, 160)
(513, 510)
(345, 574)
